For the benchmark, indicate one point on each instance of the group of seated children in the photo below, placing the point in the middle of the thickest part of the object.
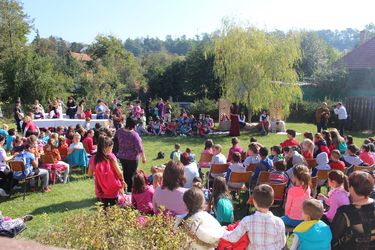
(46, 154)
(183, 126)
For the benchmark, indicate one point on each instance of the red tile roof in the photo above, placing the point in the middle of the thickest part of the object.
(362, 57)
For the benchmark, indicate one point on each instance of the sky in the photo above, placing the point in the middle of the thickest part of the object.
(82, 20)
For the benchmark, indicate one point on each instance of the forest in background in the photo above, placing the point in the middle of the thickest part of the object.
(179, 68)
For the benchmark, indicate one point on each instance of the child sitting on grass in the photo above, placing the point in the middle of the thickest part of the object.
(157, 180)
(312, 233)
(335, 162)
(296, 196)
(221, 201)
(265, 230)
(142, 194)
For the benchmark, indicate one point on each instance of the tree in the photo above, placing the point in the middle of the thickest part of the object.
(256, 68)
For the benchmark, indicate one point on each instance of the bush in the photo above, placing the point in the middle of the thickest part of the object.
(205, 106)
(117, 229)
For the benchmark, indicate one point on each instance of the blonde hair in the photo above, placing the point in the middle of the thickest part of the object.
(309, 145)
(157, 180)
(77, 135)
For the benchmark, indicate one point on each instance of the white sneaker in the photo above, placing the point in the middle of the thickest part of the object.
(3, 193)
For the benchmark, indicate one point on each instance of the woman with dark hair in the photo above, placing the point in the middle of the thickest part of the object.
(190, 169)
(109, 181)
(234, 124)
(71, 108)
(353, 226)
(169, 195)
(203, 229)
(129, 145)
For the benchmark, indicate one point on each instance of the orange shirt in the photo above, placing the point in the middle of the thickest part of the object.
(63, 149)
(54, 153)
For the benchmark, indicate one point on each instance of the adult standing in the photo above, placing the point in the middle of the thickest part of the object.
(160, 107)
(340, 111)
(101, 110)
(148, 107)
(322, 115)
(234, 124)
(129, 146)
(81, 109)
(353, 226)
(18, 115)
(71, 108)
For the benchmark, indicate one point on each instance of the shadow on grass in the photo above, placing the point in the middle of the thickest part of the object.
(65, 206)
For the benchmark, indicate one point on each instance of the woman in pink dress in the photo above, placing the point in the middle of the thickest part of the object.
(234, 124)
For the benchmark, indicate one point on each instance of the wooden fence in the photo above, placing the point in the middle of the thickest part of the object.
(362, 112)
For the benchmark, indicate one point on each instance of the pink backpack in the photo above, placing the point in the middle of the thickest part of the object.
(106, 178)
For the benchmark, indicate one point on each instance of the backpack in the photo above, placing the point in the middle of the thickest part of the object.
(106, 178)
(12, 228)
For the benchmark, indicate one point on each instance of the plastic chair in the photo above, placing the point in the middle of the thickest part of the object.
(19, 166)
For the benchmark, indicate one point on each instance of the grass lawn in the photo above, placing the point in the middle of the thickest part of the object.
(50, 209)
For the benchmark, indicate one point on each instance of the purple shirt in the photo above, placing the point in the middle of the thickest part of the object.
(171, 200)
(337, 198)
(129, 144)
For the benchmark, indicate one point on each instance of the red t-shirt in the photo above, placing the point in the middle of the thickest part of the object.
(290, 143)
(107, 182)
(31, 126)
(88, 143)
(337, 165)
(307, 155)
(367, 157)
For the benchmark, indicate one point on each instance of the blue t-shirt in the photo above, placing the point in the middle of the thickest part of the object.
(4, 132)
(9, 142)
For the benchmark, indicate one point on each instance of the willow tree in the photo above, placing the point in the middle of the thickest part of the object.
(257, 68)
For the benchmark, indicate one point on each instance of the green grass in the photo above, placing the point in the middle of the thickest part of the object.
(50, 209)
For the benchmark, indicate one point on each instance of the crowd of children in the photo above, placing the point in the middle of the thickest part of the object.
(317, 220)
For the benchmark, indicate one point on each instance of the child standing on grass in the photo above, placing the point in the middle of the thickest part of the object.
(296, 196)
(312, 233)
(176, 153)
(142, 194)
(265, 230)
(338, 196)
(109, 180)
(221, 201)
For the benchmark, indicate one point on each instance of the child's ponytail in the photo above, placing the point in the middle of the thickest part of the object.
(301, 172)
(339, 177)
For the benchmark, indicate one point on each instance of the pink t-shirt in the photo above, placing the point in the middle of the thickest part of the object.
(206, 152)
(296, 197)
(143, 201)
(337, 198)
(107, 182)
(232, 150)
(171, 200)
(367, 157)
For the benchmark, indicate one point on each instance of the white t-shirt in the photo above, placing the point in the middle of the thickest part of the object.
(341, 112)
(251, 160)
(191, 171)
(79, 144)
(3, 155)
(219, 159)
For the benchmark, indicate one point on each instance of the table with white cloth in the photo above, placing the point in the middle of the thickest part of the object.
(47, 123)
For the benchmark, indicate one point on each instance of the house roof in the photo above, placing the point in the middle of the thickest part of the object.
(81, 56)
(362, 57)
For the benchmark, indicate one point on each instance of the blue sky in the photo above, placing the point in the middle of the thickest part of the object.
(82, 20)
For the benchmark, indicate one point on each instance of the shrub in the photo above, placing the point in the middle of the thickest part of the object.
(205, 106)
(117, 229)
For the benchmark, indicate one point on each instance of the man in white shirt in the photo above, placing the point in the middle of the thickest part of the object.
(340, 111)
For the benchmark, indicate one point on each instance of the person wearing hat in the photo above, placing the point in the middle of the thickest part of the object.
(340, 111)
(322, 115)
(117, 116)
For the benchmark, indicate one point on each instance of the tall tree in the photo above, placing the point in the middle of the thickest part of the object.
(256, 68)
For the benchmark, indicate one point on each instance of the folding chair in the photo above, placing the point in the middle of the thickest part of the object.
(19, 166)
(360, 168)
(263, 177)
(49, 162)
(322, 174)
(239, 178)
(313, 185)
(217, 169)
(204, 161)
(251, 167)
(311, 163)
(279, 194)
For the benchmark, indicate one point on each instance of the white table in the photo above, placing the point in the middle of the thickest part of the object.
(46, 123)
